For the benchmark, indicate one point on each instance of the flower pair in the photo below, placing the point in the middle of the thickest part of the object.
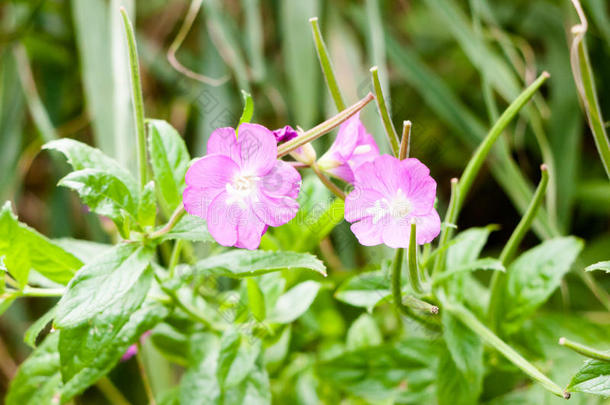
(240, 187)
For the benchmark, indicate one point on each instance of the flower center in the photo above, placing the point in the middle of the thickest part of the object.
(242, 186)
(398, 207)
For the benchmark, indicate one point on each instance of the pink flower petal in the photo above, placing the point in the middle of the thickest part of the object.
(249, 231)
(211, 171)
(428, 227)
(224, 142)
(258, 148)
(360, 203)
(396, 233)
(282, 180)
(367, 233)
(222, 220)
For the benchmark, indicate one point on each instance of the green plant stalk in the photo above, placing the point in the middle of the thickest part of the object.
(471, 321)
(585, 83)
(447, 229)
(177, 215)
(383, 111)
(326, 65)
(327, 182)
(405, 141)
(510, 249)
(396, 274)
(323, 128)
(137, 100)
(111, 392)
(413, 268)
(479, 156)
(585, 350)
(175, 257)
(144, 376)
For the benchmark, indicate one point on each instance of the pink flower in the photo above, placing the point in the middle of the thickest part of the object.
(133, 349)
(240, 188)
(352, 147)
(389, 194)
(285, 134)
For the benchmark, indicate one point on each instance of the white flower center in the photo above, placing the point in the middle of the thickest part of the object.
(242, 187)
(398, 207)
(362, 149)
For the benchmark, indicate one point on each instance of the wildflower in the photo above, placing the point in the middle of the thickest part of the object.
(240, 188)
(352, 147)
(390, 194)
(133, 349)
(285, 134)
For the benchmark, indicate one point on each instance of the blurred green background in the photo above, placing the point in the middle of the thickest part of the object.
(448, 66)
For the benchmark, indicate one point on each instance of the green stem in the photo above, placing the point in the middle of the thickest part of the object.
(383, 111)
(450, 219)
(510, 249)
(137, 100)
(177, 215)
(175, 257)
(413, 268)
(327, 182)
(41, 292)
(323, 128)
(601, 294)
(405, 141)
(475, 163)
(111, 392)
(327, 66)
(471, 321)
(585, 350)
(396, 275)
(585, 83)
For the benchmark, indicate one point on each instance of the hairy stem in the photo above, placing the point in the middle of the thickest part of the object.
(177, 215)
(383, 111)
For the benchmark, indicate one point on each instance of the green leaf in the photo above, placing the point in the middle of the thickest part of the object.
(199, 385)
(466, 352)
(246, 115)
(467, 246)
(104, 283)
(364, 290)
(84, 250)
(453, 386)
(535, 275)
(169, 159)
(256, 299)
(293, 303)
(81, 156)
(592, 378)
(487, 263)
(236, 359)
(23, 249)
(38, 380)
(89, 351)
(171, 342)
(104, 193)
(383, 372)
(277, 351)
(364, 332)
(603, 266)
(147, 206)
(31, 334)
(248, 263)
(190, 228)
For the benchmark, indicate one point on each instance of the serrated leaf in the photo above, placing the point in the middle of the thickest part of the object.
(453, 386)
(236, 359)
(31, 334)
(293, 303)
(23, 248)
(81, 156)
(190, 228)
(103, 192)
(592, 378)
(169, 159)
(534, 276)
(364, 332)
(364, 290)
(89, 351)
(84, 250)
(38, 380)
(466, 351)
(104, 283)
(382, 372)
(248, 263)
(603, 266)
